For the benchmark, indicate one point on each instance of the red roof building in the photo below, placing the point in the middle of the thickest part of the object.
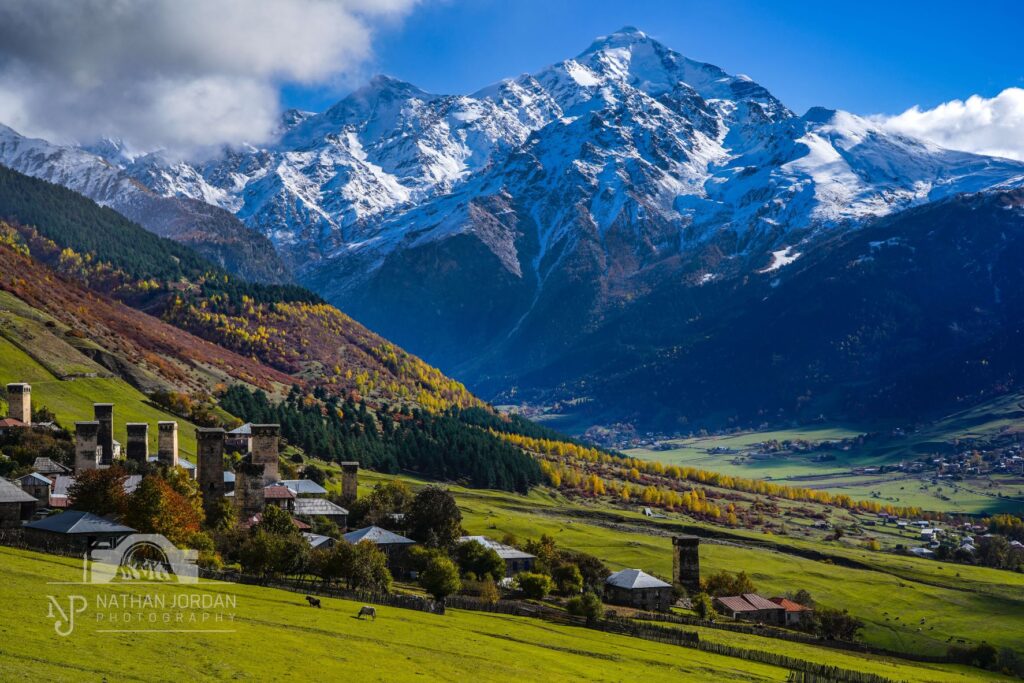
(751, 607)
(795, 612)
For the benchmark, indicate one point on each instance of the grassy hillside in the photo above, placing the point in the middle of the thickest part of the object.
(296, 642)
(956, 601)
(72, 399)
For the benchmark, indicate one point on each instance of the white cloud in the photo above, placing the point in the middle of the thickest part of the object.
(993, 126)
(178, 74)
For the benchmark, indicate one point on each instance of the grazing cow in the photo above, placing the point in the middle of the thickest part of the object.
(368, 611)
(313, 602)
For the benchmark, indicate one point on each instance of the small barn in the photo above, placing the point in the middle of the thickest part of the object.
(751, 607)
(281, 496)
(49, 467)
(16, 505)
(795, 612)
(516, 560)
(76, 530)
(634, 588)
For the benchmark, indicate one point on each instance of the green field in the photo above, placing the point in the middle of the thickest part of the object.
(72, 399)
(275, 635)
(956, 601)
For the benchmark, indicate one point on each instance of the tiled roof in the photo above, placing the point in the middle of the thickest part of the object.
(277, 493)
(12, 493)
(790, 606)
(375, 534)
(10, 422)
(634, 578)
(312, 507)
(78, 522)
(505, 552)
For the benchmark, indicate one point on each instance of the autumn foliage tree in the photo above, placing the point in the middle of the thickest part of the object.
(100, 492)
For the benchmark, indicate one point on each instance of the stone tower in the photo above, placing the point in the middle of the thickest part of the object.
(138, 442)
(19, 402)
(210, 466)
(686, 563)
(167, 443)
(104, 414)
(349, 482)
(86, 434)
(249, 495)
(265, 444)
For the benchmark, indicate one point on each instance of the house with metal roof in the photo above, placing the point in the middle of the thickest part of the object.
(48, 467)
(516, 560)
(303, 487)
(37, 486)
(319, 507)
(635, 588)
(751, 607)
(394, 546)
(76, 529)
(318, 541)
(15, 505)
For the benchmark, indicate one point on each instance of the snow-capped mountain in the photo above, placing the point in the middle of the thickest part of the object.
(212, 231)
(488, 232)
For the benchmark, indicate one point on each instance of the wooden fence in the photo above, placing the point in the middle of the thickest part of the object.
(792, 636)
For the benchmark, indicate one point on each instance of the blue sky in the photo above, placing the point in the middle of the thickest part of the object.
(865, 57)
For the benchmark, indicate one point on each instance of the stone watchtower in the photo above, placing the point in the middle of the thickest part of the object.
(249, 495)
(349, 482)
(104, 414)
(86, 434)
(137, 448)
(686, 563)
(19, 402)
(210, 466)
(265, 445)
(167, 443)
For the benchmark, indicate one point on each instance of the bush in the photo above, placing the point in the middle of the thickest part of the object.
(535, 586)
(475, 558)
(440, 577)
(587, 605)
(725, 583)
(835, 625)
(703, 606)
(568, 579)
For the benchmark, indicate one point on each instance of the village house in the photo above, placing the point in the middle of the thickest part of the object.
(49, 468)
(751, 607)
(308, 508)
(281, 496)
(516, 560)
(635, 588)
(795, 612)
(37, 486)
(15, 505)
(318, 541)
(304, 488)
(76, 530)
(394, 546)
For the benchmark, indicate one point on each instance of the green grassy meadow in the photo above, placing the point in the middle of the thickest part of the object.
(275, 635)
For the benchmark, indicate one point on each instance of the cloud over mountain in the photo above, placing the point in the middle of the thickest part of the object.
(993, 126)
(180, 74)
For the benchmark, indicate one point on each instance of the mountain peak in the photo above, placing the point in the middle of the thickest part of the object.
(627, 36)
